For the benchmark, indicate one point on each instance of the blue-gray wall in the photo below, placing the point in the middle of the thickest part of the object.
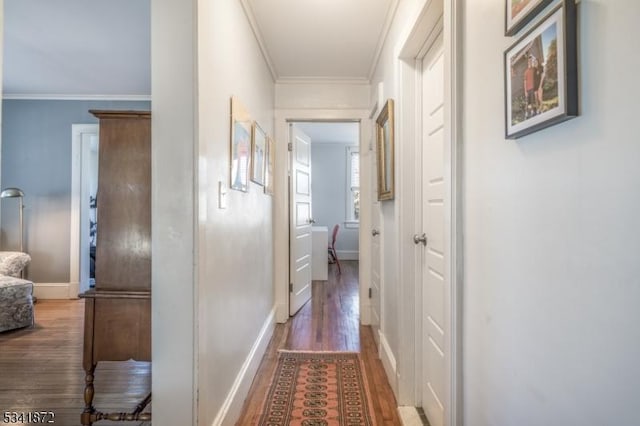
(36, 157)
(329, 191)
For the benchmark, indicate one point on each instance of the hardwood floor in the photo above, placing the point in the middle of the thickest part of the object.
(41, 369)
(329, 322)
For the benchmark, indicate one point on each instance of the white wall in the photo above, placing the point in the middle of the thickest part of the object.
(173, 211)
(236, 300)
(551, 235)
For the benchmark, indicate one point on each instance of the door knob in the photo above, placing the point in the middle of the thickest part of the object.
(417, 239)
(375, 232)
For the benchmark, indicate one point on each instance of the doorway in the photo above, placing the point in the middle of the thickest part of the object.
(84, 184)
(324, 197)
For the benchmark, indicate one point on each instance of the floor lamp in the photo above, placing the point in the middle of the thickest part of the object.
(16, 193)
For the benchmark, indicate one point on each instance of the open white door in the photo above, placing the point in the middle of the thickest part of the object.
(431, 242)
(300, 220)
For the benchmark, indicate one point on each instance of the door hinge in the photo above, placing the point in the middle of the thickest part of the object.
(370, 292)
(290, 287)
(290, 146)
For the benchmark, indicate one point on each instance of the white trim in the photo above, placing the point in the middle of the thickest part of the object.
(62, 97)
(347, 254)
(281, 201)
(44, 291)
(232, 406)
(409, 416)
(74, 290)
(416, 43)
(351, 224)
(248, 10)
(388, 362)
(455, 267)
(75, 262)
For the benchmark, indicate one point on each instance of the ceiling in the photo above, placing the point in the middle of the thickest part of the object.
(321, 39)
(101, 48)
(346, 133)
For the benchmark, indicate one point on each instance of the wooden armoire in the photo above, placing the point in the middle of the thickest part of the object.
(117, 324)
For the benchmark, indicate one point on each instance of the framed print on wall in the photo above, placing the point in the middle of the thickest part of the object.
(270, 166)
(258, 151)
(241, 129)
(520, 12)
(541, 74)
(384, 151)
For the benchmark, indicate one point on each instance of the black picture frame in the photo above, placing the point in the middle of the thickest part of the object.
(518, 13)
(541, 74)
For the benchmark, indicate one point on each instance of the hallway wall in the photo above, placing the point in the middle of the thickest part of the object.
(235, 260)
(551, 236)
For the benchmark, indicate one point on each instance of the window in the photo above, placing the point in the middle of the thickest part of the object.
(353, 187)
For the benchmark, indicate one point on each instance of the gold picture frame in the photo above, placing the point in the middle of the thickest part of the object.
(241, 136)
(258, 154)
(384, 152)
(270, 166)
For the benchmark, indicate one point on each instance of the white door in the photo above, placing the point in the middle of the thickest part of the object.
(300, 224)
(430, 240)
(376, 273)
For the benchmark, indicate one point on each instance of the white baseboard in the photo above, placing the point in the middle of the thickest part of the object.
(232, 406)
(45, 291)
(365, 312)
(409, 416)
(282, 313)
(348, 254)
(389, 363)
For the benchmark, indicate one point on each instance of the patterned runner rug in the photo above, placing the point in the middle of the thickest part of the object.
(318, 389)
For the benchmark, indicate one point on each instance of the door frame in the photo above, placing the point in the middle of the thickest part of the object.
(79, 233)
(435, 15)
(281, 210)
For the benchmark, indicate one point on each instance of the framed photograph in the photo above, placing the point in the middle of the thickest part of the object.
(258, 154)
(384, 151)
(541, 74)
(520, 12)
(270, 166)
(241, 128)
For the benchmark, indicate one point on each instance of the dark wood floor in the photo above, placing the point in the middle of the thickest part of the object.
(41, 369)
(329, 322)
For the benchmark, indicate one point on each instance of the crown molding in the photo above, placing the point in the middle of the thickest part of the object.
(391, 13)
(323, 80)
(61, 97)
(248, 11)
